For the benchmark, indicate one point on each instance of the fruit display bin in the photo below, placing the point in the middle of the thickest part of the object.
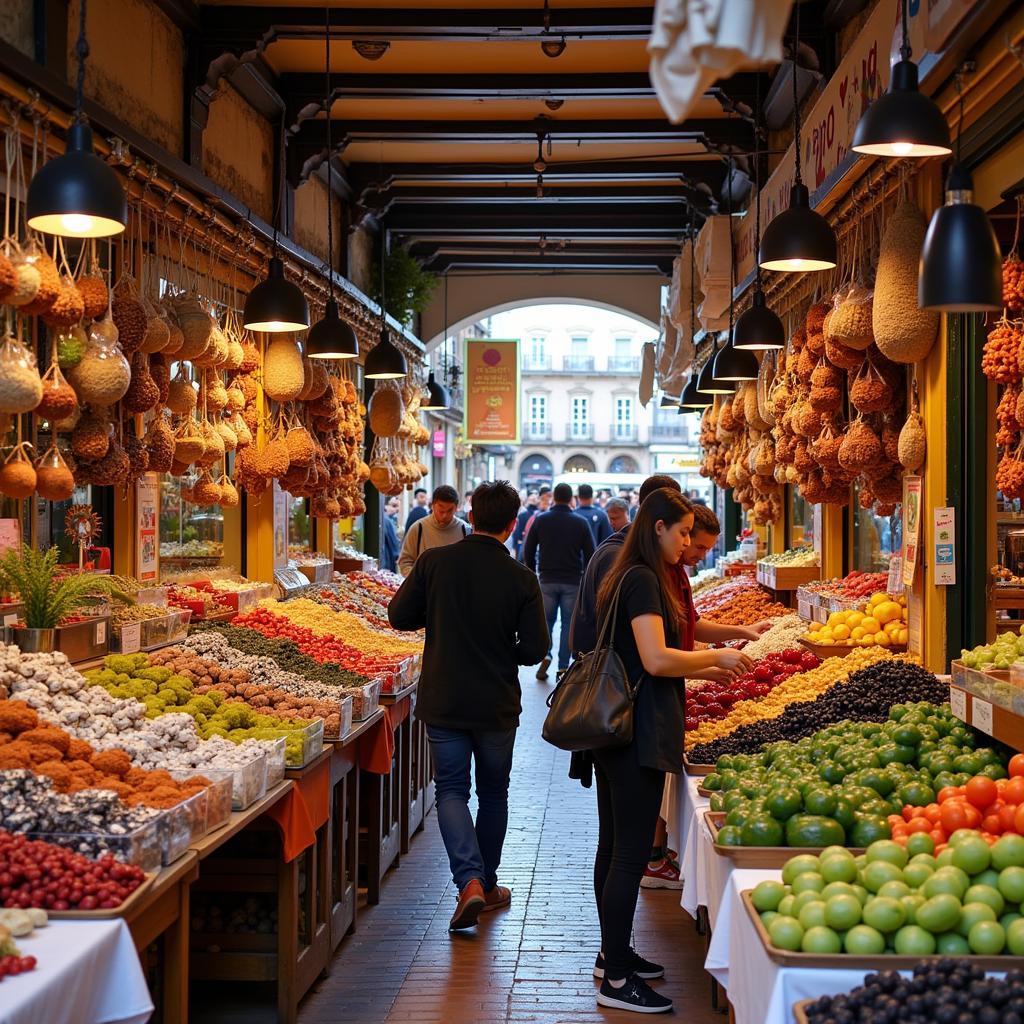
(80, 641)
(248, 782)
(877, 962)
(181, 825)
(275, 762)
(696, 769)
(364, 699)
(786, 577)
(992, 685)
(758, 857)
(219, 796)
(345, 724)
(312, 744)
(156, 632)
(140, 847)
(824, 651)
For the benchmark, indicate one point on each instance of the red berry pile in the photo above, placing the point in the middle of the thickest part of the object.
(16, 965)
(714, 700)
(34, 873)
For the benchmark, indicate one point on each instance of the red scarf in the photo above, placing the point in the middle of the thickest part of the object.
(688, 625)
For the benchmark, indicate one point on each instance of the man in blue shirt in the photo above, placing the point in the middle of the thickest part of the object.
(594, 514)
(419, 509)
(391, 546)
(566, 544)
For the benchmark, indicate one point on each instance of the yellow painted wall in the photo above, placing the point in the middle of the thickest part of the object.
(136, 66)
(310, 229)
(360, 258)
(238, 151)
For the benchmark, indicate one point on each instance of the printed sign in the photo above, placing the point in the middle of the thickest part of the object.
(131, 637)
(492, 391)
(958, 703)
(944, 557)
(439, 444)
(894, 585)
(911, 511)
(10, 535)
(147, 546)
(981, 715)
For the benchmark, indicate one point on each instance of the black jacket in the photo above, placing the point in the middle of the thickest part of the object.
(484, 617)
(566, 545)
(583, 631)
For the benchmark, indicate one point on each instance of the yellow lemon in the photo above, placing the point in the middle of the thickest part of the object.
(841, 632)
(903, 636)
(882, 638)
(827, 641)
(866, 641)
(877, 599)
(854, 619)
(857, 632)
(870, 624)
(887, 611)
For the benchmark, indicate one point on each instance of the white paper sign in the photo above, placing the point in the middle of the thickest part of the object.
(981, 715)
(958, 703)
(131, 637)
(944, 557)
(11, 619)
(101, 631)
(894, 585)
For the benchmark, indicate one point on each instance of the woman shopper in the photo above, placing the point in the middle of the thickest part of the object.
(630, 778)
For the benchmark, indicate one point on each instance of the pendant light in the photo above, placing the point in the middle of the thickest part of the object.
(438, 397)
(757, 327)
(331, 337)
(385, 361)
(668, 402)
(961, 263)
(731, 363)
(77, 195)
(276, 305)
(691, 398)
(707, 383)
(798, 239)
(902, 122)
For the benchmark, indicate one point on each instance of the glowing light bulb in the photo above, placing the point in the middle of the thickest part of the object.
(76, 224)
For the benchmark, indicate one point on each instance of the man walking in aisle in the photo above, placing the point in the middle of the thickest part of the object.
(566, 544)
(593, 514)
(484, 616)
(419, 509)
(390, 534)
(433, 531)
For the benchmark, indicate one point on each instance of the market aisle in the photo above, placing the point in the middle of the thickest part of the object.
(530, 963)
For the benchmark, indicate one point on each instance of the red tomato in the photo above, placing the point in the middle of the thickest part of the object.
(910, 811)
(1007, 817)
(919, 824)
(900, 832)
(981, 791)
(990, 824)
(973, 816)
(953, 816)
(1016, 767)
(1018, 820)
(1014, 792)
(946, 793)
(939, 836)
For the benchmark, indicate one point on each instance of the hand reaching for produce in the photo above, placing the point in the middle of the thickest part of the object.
(760, 628)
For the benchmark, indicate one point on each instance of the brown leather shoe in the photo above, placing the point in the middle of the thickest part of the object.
(471, 903)
(499, 896)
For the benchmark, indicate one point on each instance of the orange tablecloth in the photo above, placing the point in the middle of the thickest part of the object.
(377, 746)
(303, 810)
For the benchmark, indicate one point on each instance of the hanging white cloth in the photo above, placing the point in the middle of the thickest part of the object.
(646, 373)
(694, 43)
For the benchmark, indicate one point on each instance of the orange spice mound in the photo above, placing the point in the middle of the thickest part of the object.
(73, 764)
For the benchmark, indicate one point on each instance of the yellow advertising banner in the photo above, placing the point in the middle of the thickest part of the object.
(492, 391)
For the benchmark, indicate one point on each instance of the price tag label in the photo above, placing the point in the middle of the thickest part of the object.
(981, 715)
(101, 632)
(11, 619)
(131, 637)
(804, 610)
(246, 601)
(958, 703)
(894, 585)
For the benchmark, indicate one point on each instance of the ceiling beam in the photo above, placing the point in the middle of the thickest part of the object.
(549, 260)
(239, 24)
(554, 192)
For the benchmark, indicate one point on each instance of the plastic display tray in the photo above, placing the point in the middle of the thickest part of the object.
(181, 825)
(219, 798)
(758, 857)
(345, 724)
(275, 762)
(248, 782)
(364, 699)
(140, 847)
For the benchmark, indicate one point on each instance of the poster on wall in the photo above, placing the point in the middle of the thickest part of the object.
(147, 546)
(492, 391)
(911, 527)
(944, 555)
(281, 499)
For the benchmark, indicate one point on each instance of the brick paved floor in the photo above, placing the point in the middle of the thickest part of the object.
(530, 963)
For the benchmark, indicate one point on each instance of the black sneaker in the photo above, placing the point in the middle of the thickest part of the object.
(635, 995)
(641, 968)
(542, 670)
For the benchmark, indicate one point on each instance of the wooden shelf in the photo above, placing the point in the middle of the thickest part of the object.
(991, 719)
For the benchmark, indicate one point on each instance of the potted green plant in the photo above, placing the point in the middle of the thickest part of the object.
(51, 598)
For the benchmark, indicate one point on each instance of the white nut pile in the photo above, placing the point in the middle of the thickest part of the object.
(216, 752)
(781, 637)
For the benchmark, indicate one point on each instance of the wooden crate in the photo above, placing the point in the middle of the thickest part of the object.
(758, 857)
(786, 577)
(824, 651)
(696, 769)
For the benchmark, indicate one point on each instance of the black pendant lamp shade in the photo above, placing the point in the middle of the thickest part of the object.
(438, 395)
(902, 122)
(275, 304)
(332, 337)
(667, 402)
(691, 398)
(708, 384)
(77, 195)
(733, 364)
(961, 264)
(385, 361)
(758, 329)
(798, 239)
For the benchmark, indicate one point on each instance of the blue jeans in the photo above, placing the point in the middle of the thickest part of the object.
(560, 598)
(474, 851)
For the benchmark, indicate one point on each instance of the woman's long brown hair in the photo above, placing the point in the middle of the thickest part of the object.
(642, 548)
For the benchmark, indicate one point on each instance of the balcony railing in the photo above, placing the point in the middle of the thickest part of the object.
(537, 364)
(623, 364)
(537, 432)
(624, 432)
(579, 431)
(668, 432)
(578, 364)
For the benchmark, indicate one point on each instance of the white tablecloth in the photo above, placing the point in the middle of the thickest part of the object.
(691, 816)
(760, 991)
(88, 973)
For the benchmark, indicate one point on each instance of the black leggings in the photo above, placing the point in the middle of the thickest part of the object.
(628, 803)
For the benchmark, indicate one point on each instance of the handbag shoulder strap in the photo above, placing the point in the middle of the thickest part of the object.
(608, 621)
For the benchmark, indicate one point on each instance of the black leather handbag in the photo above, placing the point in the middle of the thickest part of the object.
(591, 708)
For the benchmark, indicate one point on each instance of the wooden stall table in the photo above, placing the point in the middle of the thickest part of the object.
(343, 841)
(163, 915)
(411, 784)
(296, 956)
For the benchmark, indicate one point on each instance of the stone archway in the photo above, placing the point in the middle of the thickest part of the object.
(471, 298)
